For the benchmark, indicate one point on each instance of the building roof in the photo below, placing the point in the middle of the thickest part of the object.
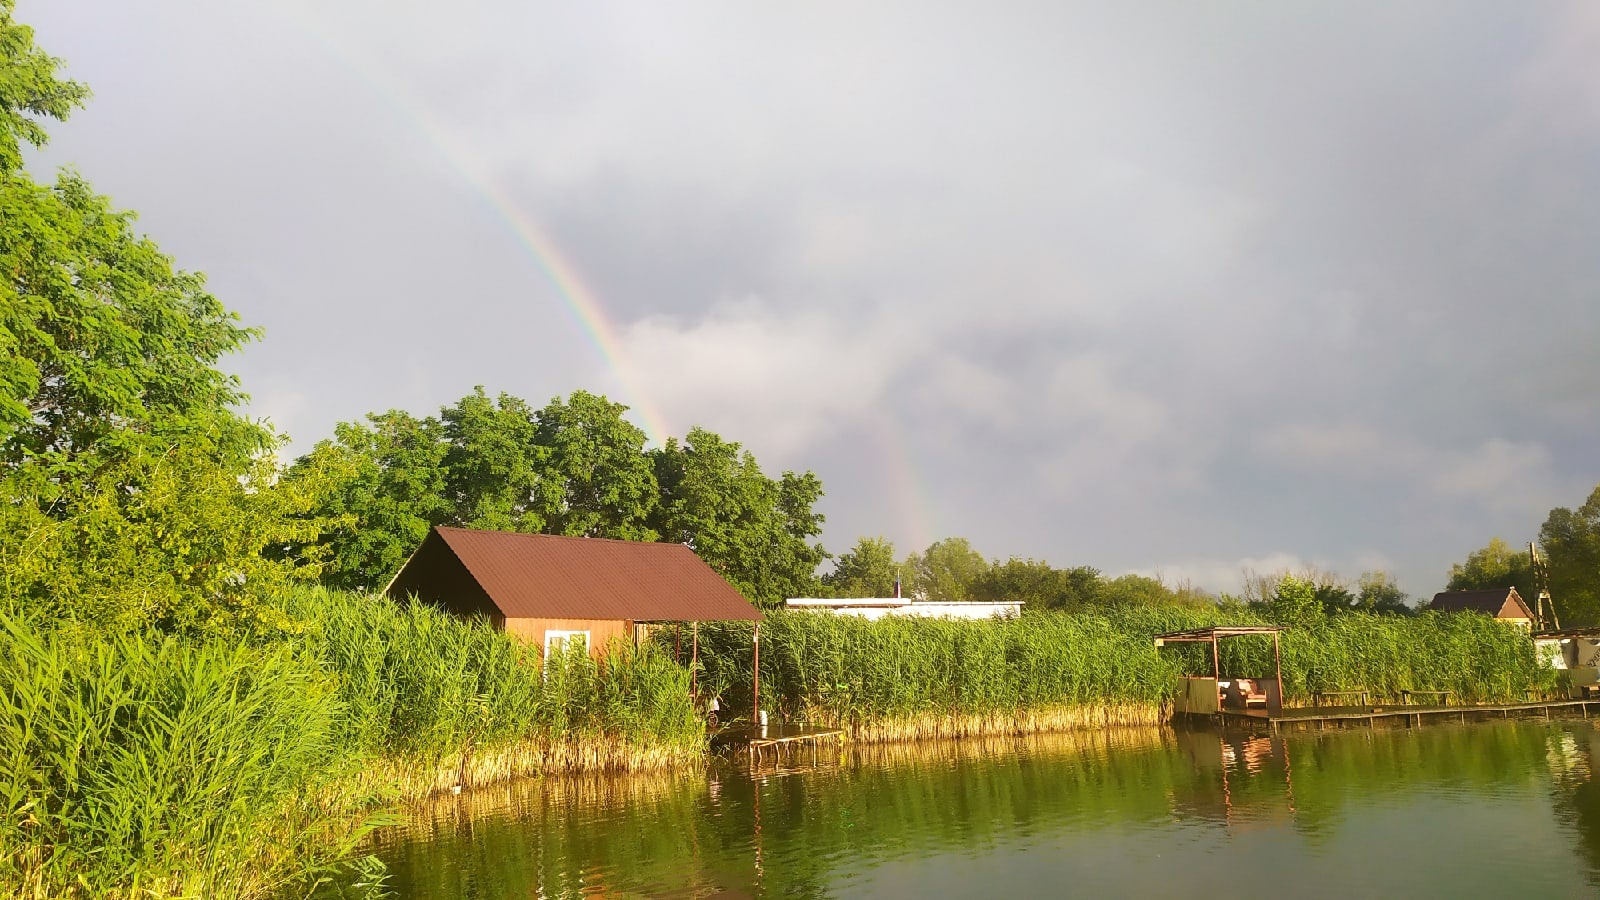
(555, 577)
(1502, 603)
(1217, 632)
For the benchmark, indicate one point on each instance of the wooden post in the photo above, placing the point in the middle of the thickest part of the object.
(694, 661)
(1277, 666)
(755, 693)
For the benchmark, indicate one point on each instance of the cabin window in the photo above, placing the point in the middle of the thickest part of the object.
(558, 641)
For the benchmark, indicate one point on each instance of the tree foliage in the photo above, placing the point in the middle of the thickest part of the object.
(1496, 565)
(131, 491)
(946, 572)
(1038, 585)
(575, 467)
(867, 570)
(1571, 538)
(756, 531)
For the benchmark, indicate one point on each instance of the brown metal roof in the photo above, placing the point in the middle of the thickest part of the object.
(1502, 603)
(549, 576)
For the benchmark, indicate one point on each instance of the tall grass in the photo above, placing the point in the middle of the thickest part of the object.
(446, 703)
(146, 766)
(911, 678)
(143, 765)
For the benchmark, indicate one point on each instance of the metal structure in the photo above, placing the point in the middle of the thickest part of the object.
(1213, 636)
(1541, 577)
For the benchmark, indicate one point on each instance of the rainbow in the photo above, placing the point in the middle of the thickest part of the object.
(906, 487)
(580, 299)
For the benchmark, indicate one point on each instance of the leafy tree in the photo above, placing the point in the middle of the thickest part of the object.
(387, 492)
(492, 463)
(752, 529)
(1496, 565)
(1571, 537)
(1379, 594)
(131, 492)
(1295, 602)
(947, 571)
(869, 570)
(29, 90)
(176, 541)
(594, 478)
(1039, 586)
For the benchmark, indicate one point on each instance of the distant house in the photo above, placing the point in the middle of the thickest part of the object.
(1502, 603)
(879, 607)
(550, 590)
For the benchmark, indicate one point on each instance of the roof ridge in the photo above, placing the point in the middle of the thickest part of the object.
(560, 537)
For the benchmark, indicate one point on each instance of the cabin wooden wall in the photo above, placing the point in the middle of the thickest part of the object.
(600, 631)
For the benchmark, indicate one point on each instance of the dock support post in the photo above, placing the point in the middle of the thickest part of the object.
(755, 693)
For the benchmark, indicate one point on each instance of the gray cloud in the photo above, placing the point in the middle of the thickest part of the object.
(1155, 287)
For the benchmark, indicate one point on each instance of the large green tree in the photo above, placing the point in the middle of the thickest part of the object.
(867, 570)
(1495, 565)
(131, 491)
(1038, 585)
(387, 488)
(1571, 538)
(756, 531)
(947, 571)
(594, 478)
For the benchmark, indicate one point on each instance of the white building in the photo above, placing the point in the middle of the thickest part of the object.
(878, 607)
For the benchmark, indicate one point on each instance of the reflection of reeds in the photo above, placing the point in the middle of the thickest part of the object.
(445, 813)
(1096, 743)
(934, 726)
(415, 778)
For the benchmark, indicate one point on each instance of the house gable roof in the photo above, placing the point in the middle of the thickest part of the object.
(1502, 603)
(555, 577)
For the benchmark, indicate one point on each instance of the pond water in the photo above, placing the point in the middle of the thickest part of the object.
(1505, 809)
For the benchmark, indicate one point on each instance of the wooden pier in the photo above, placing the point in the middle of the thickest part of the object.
(775, 742)
(1408, 715)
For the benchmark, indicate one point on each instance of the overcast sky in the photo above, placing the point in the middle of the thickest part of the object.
(1179, 288)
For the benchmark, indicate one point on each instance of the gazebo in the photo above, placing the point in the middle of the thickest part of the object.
(1202, 695)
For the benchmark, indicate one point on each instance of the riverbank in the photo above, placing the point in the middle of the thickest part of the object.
(234, 766)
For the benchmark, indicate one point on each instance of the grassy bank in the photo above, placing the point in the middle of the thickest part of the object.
(146, 764)
(898, 678)
(151, 765)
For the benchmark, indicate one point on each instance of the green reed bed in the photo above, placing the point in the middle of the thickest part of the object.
(145, 764)
(909, 678)
(904, 678)
(447, 703)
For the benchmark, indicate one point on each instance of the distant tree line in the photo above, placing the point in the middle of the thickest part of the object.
(950, 570)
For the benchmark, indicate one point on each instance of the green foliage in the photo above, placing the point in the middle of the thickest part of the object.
(29, 89)
(1295, 602)
(847, 669)
(492, 462)
(948, 571)
(597, 480)
(753, 530)
(1571, 537)
(143, 765)
(868, 570)
(109, 350)
(175, 541)
(388, 492)
(576, 468)
(1039, 586)
(1495, 566)
(420, 684)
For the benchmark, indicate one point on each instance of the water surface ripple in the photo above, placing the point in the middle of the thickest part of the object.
(1468, 810)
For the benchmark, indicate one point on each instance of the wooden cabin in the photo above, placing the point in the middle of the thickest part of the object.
(549, 589)
(1504, 604)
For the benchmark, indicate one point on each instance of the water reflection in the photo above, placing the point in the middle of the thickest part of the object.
(1473, 809)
